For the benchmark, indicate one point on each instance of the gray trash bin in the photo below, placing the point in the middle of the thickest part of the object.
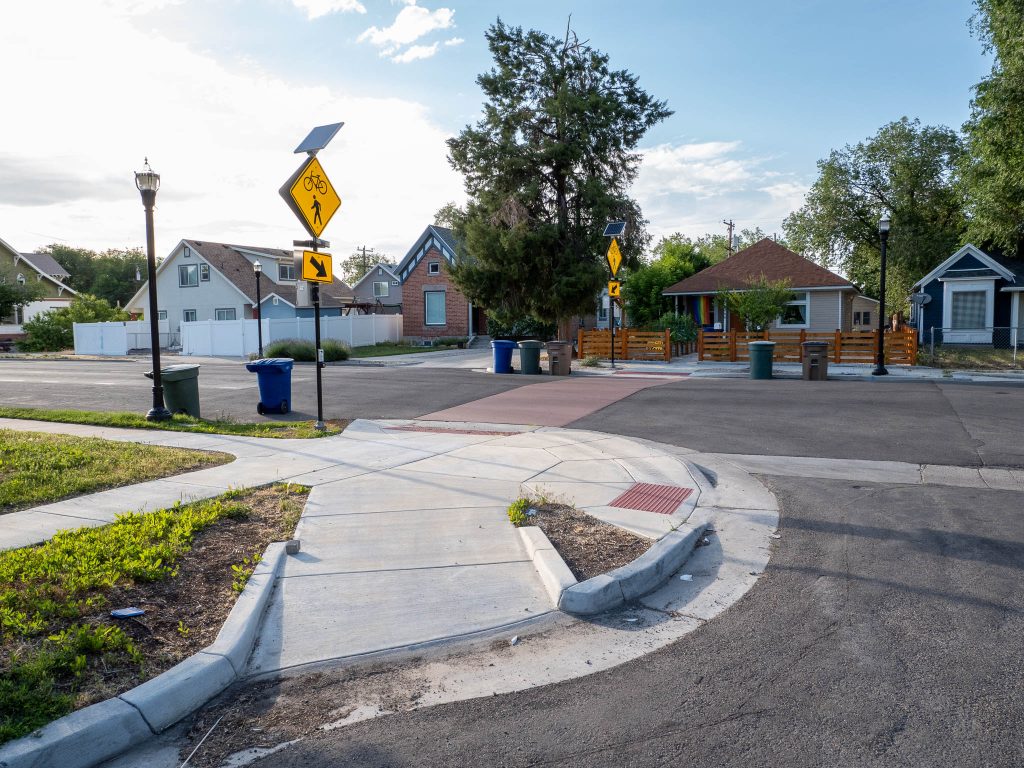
(815, 360)
(181, 388)
(529, 356)
(559, 358)
(761, 354)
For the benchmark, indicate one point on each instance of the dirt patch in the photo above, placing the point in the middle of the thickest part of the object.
(185, 613)
(589, 546)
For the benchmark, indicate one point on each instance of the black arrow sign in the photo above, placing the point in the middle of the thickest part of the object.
(319, 266)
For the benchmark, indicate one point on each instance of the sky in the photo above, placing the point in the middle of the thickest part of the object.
(218, 93)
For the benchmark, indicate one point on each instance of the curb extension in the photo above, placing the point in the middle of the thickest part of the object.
(615, 588)
(102, 731)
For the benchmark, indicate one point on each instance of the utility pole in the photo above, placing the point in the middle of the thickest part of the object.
(731, 225)
(366, 266)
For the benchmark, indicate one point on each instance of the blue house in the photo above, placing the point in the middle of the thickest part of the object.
(971, 298)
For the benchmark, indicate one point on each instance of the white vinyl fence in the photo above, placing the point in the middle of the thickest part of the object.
(116, 338)
(238, 338)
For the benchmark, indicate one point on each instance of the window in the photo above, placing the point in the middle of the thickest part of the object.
(394, 282)
(866, 317)
(188, 315)
(856, 318)
(285, 271)
(433, 304)
(187, 252)
(602, 314)
(433, 267)
(968, 309)
(161, 314)
(204, 272)
(21, 279)
(795, 313)
(380, 289)
(380, 271)
(188, 275)
(275, 301)
(224, 314)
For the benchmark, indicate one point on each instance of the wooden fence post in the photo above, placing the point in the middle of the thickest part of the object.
(579, 343)
(803, 338)
(668, 346)
(732, 346)
(700, 345)
(837, 355)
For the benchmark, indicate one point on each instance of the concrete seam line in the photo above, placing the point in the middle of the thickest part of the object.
(250, 613)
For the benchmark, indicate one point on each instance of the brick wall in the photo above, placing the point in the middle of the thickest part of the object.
(413, 305)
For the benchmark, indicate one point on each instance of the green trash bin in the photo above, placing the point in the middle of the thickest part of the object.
(181, 388)
(761, 354)
(529, 356)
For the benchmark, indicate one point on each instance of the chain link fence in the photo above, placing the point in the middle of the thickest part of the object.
(977, 348)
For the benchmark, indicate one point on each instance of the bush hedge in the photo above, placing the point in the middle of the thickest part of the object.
(304, 352)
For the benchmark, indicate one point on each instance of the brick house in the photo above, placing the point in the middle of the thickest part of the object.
(432, 306)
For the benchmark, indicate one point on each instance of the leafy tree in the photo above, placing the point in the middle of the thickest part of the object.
(53, 331)
(905, 169)
(676, 258)
(715, 248)
(760, 303)
(14, 294)
(993, 167)
(449, 215)
(355, 267)
(109, 275)
(545, 168)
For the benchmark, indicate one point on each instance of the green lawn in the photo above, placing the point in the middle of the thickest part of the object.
(178, 423)
(38, 468)
(59, 649)
(386, 348)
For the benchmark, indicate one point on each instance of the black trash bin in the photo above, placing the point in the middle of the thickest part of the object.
(529, 357)
(181, 388)
(274, 375)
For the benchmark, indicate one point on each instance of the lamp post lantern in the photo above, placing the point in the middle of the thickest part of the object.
(257, 269)
(148, 182)
(883, 232)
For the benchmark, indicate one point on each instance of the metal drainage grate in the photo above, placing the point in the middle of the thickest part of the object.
(443, 431)
(649, 497)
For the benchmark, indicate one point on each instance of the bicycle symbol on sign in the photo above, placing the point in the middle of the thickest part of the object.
(313, 181)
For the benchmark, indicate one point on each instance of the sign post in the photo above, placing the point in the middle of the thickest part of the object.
(311, 197)
(614, 230)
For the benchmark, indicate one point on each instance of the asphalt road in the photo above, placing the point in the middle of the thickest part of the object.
(226, 389)
(962, 423)
(886, 631)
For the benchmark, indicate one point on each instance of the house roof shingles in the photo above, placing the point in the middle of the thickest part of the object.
(764, 258)
(228, 260)
(46, 264)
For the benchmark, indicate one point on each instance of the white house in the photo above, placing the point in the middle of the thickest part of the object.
(33, 267)
(379, 291)
(201, 280)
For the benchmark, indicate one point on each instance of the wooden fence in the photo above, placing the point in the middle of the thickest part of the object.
(848, 347)
(630, 344)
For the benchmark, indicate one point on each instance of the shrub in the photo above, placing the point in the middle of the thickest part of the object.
(517, 512)
(449, 341)
(52, 331)
(334, 350)
(304, 352)
(522, 328)
(683, 329)
(591, 361)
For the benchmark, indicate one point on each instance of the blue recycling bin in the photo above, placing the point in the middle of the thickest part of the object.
(274, 375)
(502, 355)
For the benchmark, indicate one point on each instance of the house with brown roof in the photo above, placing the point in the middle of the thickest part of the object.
(823, 300)
(200, 280)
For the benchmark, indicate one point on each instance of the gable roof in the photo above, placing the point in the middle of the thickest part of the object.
(61, 286)
(764, 258)
(45, 263)
(232, 263)
(433, 236)
(371, 275)
(1002, 269)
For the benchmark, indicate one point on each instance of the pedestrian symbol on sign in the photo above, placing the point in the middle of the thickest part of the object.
(315, 207)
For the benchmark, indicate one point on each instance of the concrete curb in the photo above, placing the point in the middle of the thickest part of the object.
(554, 573)
(631, 581)
(102, 731)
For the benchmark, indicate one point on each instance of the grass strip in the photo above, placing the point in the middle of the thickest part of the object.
(39, 468)
(178, 423)
(61, 649)
(388, 348)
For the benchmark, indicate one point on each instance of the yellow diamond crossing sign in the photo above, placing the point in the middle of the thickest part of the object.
(614, 257)
(316, 267)
(311, 196)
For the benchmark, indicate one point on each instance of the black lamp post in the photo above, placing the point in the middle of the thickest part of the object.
(257, 268)
(148, 183)
(883, 231)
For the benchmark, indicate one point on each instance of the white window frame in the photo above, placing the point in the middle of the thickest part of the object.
(204, 273)
(954, 285)
(188, 269)
(285, 271)
(185, 316)
(225, 310)
(444, 308)
(161, 314)
(805, 302)
(433, 267)
(380, 289)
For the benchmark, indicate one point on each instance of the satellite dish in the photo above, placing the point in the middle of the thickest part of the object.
(920, 298)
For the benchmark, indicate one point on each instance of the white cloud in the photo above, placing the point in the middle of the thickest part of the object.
(316, 8)
(451, 41)
(411, 23)
(221, 138)
(691, 187)
(414, 52)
